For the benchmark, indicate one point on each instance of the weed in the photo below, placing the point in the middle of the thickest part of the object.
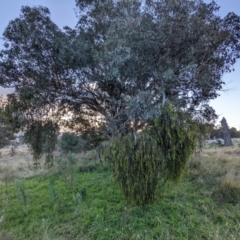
(21, 193)
(52, 191)
(83, 193)
(23, 198)
(67, 167)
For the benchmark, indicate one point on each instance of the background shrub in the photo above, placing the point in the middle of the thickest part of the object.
(70, 142)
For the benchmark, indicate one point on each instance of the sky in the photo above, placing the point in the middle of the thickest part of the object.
(63, 14)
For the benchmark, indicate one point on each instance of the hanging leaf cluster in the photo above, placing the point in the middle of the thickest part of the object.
(50, 133)
(6, 130)
(41, 138)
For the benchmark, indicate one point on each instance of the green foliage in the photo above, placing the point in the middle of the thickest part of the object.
(6, 134)
(50, 132)
(176, 135)
(70, 142)
(217, 132)
(234, 132)
(41, 137)
(21, 193)
(83, 193)
(70, 169)
(138, 167)
(158, 154)
(35, 140)
(93, 138)
(120, 62)
(6, 130)
(105, 215)
(52, 191)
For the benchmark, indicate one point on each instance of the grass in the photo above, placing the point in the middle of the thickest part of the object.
(90, 206)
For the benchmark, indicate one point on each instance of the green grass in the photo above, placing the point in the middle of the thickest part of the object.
(48, 208)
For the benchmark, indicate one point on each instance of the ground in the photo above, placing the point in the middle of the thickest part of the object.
(78, 199)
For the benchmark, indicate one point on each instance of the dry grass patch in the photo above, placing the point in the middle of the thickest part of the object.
(18, 166)
(21, 164)
(218, 171)
(221, 159)
(229, 188)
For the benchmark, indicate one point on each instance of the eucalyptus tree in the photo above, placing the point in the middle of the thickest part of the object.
(123, 61)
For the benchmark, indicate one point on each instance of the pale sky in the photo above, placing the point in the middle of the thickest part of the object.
(63, 14)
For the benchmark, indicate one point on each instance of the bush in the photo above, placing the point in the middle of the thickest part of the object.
(159, 154)
(70, 142)
(138, 168)
(176, 135)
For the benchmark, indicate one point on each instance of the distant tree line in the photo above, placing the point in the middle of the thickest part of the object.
(217, 132)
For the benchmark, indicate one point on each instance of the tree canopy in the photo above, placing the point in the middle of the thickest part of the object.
(123, 61)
